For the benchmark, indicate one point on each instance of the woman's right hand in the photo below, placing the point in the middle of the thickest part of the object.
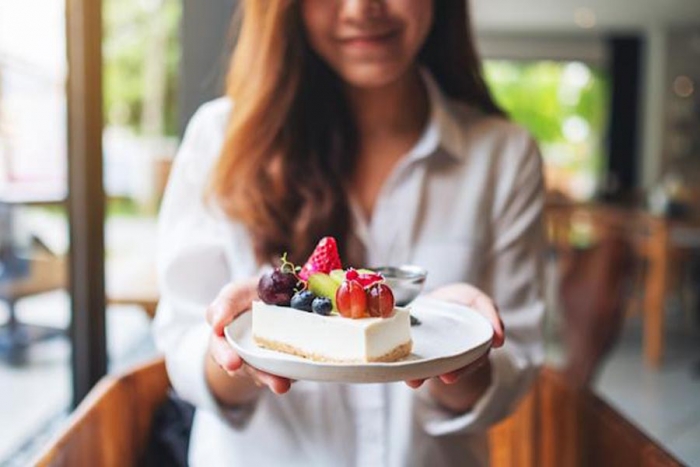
(233, 300)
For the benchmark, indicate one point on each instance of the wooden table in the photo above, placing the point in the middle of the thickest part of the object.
(33, 193)
(663, 253)
(652, 240)
(132, 281)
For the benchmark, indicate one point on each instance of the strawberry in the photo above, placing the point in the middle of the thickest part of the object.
(325, 258)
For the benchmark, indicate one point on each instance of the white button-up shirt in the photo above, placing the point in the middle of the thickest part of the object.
(465, 204)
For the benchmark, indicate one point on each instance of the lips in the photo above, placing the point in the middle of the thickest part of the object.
(369, 40)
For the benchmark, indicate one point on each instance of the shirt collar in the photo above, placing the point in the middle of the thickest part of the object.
(444, 130)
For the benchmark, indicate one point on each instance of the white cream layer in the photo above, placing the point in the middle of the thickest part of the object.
(332, 337)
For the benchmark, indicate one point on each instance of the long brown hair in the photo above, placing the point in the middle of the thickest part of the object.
(291, 142)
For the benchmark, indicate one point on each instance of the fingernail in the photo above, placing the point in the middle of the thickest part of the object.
(448, 378)
(277, 390)
(232, 364)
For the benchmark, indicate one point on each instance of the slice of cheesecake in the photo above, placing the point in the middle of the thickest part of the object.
(332, 338)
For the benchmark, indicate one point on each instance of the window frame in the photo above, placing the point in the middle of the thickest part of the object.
(86, 201)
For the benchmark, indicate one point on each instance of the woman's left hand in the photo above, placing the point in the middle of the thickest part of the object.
(465, 294)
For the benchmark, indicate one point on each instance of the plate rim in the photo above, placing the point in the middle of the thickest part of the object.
(403, 365)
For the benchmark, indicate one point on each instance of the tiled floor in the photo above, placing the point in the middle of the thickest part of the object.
(664, 403)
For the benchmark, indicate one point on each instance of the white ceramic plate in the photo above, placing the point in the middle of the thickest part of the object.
(450, 337)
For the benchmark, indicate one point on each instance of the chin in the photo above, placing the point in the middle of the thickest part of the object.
(373, 75)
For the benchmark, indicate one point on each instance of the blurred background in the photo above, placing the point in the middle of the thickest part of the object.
(610, 90)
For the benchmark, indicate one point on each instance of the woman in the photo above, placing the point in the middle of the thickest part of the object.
(368, 121)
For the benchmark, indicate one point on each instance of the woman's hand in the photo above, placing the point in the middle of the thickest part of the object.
(466, 390)
(468, 295)
(232, 380)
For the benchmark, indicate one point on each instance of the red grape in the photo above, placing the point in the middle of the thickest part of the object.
(351, 300)
(380, 300)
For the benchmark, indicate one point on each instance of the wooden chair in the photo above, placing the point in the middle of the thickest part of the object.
(46, 272)
(558, 425)
(554, 425)
(112, 425)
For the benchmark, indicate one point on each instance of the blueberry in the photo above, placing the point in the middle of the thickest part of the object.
(302, 300)
(322, 306)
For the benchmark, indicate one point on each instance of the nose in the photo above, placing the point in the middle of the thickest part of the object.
(362, 9)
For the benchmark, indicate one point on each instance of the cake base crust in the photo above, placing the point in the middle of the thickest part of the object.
(398, 353)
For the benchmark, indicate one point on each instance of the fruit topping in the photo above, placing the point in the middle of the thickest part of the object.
(338, 275)
(351, 274)
(322, 306)
(367, 279)
(351, 300)
(302, 300)
(380, 300)
(323, 285)
(364, 276)
(277, 287)
(324, 259)
(366, 271)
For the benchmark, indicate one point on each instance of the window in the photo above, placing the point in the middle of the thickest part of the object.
(139, 69)
(34, 305)
(564, 104)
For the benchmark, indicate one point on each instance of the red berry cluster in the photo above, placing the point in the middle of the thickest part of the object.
(364, 295)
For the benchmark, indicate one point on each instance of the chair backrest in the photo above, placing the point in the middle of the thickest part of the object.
(558, 425)
(111, 426)
(554, 425)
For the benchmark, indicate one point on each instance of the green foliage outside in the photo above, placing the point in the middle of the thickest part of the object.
(563, 104)
(131, 27)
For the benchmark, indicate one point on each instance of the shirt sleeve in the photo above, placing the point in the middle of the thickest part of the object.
(192, 260)
(514, 279)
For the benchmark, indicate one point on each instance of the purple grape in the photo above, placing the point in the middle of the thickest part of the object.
(277, 287)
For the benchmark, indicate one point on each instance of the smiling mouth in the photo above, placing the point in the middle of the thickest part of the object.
(370, 40)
